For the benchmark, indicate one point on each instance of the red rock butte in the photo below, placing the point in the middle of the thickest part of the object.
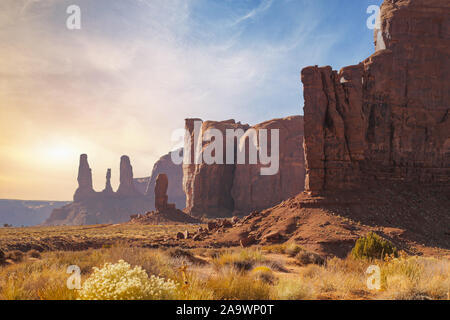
(387, 118)
(223, 190)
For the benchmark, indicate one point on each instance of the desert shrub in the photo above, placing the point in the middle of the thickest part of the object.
(178, 253)
(307, 257)
(275, 248)
(242, 260)
(264, 274)
(34, 254)
(34, 280)
(16, 255)
(236, 286)
(120, 282)
(2, 257)
(415, 278)
(293, 249)
(372, 246)
(293, 289)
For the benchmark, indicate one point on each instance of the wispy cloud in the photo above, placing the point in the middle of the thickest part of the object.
(261, 8)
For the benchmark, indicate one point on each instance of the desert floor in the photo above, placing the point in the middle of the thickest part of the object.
(36, 260)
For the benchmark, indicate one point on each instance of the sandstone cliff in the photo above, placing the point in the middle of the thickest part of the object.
(253, 191)
(387, 118)
(221, 190)
(208, 186)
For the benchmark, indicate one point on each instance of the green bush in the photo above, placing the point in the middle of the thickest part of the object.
(372, 246)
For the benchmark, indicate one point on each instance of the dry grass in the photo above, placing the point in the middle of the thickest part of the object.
(219, 274)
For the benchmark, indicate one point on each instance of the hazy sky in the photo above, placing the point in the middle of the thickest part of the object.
(138, 68)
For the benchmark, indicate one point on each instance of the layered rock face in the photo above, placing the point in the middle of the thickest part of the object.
(388, 118)
(221, 190)
(253, 191)
(207, 186)
(85, 189)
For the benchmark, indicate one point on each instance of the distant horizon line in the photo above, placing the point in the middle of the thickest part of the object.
(1, 199)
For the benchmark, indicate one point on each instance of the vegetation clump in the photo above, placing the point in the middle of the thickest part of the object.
(34, 254)
(306, 257)
(372, 246)
(15, 256)
(121, 282)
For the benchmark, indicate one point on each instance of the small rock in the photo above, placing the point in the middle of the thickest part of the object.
(197, 237)
(180, 235)
(212, 225)
(274, 236)
(235, 220)
(247, 241)
(227, 223)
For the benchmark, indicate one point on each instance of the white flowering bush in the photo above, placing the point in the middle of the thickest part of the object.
(121, 282)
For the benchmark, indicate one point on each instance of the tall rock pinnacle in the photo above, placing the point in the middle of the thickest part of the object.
(108, 189)
(126, 187)
(85, 190)
(161, 198)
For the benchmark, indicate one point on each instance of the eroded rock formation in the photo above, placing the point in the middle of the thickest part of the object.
(90, 207)
(85, 190)
(387, 118)
(165, 212)
(220, 190)
(161, 198)
(126, 187)
(108, 188)
(132, 197)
